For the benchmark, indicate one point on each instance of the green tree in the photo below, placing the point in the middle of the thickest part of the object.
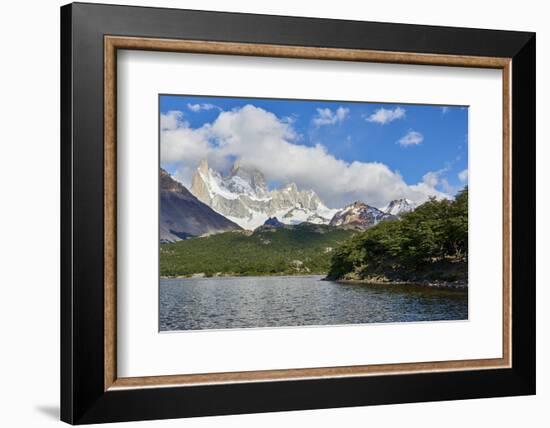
(435, 231)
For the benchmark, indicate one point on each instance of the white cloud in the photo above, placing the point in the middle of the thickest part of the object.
(431, 178)
(384, 116)
(463, 175)
(447, 187)
(171, 120)
(181, 146)
(411, 138)
(326, 116)
(198, 107)
(430, 181)
(261, 140)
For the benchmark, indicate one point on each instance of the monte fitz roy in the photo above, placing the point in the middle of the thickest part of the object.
(240, 200)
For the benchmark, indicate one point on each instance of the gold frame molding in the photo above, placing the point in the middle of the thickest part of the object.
(113, 43)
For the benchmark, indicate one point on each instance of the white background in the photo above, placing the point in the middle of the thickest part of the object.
(29, 226)
(144, 352)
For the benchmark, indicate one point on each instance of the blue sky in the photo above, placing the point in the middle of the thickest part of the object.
(417, 143)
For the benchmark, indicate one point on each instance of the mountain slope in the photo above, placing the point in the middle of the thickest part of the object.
(429, 244)
(399, 206)
(359, 215)
(182, 215)
(243, 197)
(301, 249)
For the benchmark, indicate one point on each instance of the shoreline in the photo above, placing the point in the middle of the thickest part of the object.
(448, 285)
(440, 284)
(203, 276)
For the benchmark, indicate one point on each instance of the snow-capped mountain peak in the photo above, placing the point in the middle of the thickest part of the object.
(399, 206)
(243, 197)
(247, 180)
(360, 215)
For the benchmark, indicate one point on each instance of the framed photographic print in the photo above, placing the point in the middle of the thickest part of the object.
(265, 213)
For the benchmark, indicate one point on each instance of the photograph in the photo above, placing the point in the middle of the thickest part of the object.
(287, 212)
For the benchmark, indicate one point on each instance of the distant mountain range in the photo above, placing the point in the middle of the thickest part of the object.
(242, 196)
(241, 200)
(360, 215)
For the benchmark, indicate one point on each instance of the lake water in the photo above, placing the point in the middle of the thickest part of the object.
(245, 302)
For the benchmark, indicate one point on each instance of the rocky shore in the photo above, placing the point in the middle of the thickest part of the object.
(451, 285)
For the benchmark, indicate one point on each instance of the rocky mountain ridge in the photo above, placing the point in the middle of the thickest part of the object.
(359, 215)
(242, 196)
(243, 199)
(182, 215)
(399, 206)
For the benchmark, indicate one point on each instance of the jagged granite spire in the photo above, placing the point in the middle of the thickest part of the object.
(243, 197)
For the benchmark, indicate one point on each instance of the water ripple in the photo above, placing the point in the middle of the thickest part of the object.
(251, 302)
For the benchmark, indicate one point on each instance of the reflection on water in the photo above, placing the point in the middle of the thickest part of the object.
(245, 302)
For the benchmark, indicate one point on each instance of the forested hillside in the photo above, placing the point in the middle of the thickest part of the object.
(429, 243)
(287, 250)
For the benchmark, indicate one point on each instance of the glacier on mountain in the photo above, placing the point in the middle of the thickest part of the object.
(399, 206)
(243, 197)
